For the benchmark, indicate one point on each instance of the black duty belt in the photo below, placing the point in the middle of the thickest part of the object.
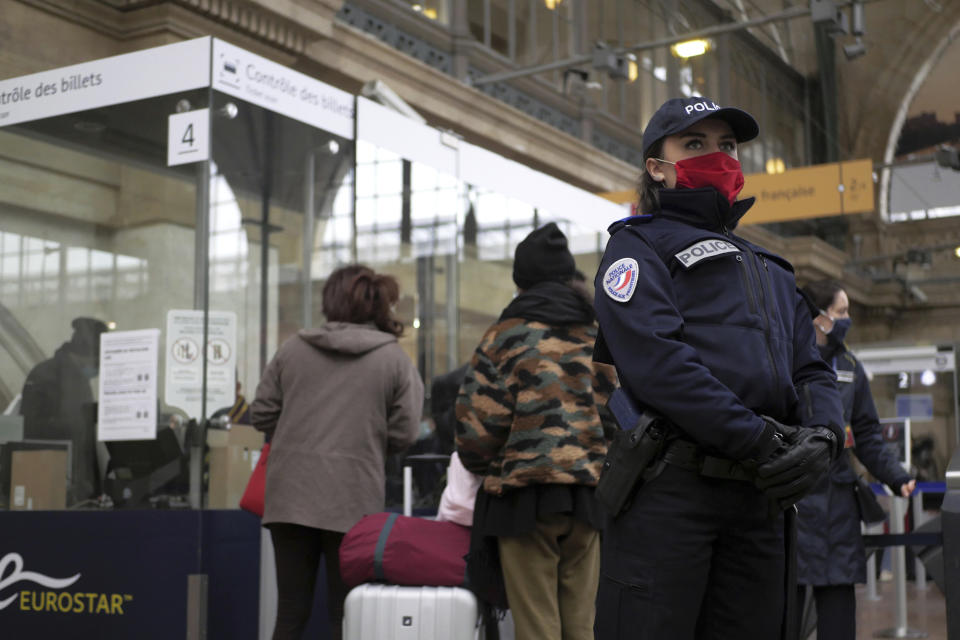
(690, 456)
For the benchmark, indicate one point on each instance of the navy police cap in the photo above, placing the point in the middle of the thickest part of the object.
(677, 114)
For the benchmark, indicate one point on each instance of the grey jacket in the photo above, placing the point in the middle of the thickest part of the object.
(336, 400)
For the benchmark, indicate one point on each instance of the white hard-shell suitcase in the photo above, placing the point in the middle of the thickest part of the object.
(390, 612)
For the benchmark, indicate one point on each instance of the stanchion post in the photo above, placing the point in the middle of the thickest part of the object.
(872, 563)
(899, 562)
(920, 570)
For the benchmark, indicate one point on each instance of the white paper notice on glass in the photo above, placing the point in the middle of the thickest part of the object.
(183, 371)
(128, 385)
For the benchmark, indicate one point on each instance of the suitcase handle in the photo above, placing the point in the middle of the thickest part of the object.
(420, 458)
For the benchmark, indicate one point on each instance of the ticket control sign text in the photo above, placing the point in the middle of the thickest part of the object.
(171, 69)
(143, 74)
(250, 77)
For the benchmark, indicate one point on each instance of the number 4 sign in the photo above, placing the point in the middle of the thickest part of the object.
(188, 137)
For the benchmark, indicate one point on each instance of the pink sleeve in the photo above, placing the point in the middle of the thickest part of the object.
(456, 503)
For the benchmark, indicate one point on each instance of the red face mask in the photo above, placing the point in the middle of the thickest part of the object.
(717, 170)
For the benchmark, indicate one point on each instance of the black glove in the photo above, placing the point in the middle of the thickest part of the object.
(771, 443)
(792, 470)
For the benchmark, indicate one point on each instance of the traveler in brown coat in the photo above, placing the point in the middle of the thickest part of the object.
(336, 400)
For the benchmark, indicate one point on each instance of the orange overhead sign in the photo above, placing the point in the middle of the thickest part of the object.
(808, 192)
(620, 197)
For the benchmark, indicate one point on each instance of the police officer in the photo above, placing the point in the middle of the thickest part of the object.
(830, 552)
(709, 331)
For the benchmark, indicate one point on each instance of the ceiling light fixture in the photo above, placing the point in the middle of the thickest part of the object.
(633, 69)
(690, 48)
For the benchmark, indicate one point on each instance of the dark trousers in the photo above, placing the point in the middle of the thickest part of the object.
(297, 550)
(693, 558)
(836, 611)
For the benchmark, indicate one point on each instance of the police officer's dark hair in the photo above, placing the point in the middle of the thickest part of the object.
(822, 292)
(648, 189)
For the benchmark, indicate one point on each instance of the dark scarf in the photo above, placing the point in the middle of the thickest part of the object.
(552, 303)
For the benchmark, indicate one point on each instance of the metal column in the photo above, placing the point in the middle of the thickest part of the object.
(309, 207)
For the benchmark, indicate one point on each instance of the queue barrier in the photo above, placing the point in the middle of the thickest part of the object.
(936, 542)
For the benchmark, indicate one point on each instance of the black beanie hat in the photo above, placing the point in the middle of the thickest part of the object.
(543, 256)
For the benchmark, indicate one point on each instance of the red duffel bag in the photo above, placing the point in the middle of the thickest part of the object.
(389, 547)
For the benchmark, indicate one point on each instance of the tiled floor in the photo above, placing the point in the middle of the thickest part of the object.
(926, 611)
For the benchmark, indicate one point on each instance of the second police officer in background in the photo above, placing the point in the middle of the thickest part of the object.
(830, 552)
(709, 331)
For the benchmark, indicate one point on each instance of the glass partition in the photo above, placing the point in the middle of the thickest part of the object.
(98, 236)
(219, 261)
(277, 187)
(279, 190)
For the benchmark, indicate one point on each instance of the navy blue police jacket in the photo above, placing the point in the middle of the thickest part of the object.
(708, 329)
(830, 546)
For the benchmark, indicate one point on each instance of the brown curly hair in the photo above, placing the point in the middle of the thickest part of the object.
(356, 293)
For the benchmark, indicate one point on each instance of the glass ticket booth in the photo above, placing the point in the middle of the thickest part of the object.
(167, 219)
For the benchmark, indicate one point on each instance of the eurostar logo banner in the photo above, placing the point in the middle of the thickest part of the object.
(119, 575)
(36, 592)
(96, 575)
(14, 562)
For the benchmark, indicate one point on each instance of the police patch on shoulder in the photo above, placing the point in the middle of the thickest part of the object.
(620, 279)
(705, 249)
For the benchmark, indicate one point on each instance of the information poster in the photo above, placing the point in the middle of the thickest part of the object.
(183, 380)
(128, 385)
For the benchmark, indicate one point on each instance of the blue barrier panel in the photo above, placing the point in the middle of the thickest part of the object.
(231, 559)
(922, 487)
(86, 575)
(96, 575)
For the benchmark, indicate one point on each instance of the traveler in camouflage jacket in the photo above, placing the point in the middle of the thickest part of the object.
(531, 420)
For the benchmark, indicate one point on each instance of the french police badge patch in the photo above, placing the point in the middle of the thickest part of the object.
(620, 279)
